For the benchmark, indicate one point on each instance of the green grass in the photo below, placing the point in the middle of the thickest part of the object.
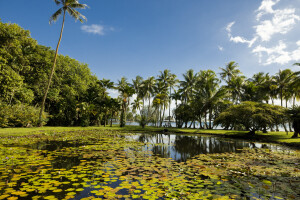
(272, 137)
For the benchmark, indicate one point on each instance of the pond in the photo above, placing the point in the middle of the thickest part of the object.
(182, 147)
(114, 165)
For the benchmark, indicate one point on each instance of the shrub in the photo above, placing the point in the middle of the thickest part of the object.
(251, 116)
(19, 115)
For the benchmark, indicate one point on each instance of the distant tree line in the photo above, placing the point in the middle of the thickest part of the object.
(77, 97)
(230, 100)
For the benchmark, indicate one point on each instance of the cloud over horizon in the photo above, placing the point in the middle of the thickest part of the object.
(270, 22)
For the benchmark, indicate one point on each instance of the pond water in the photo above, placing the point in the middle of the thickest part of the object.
(182, 147)
(114, 165)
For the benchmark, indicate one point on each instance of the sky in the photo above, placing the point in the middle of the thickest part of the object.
(143, 37)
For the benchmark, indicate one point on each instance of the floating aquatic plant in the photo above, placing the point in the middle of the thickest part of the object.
(97, 165)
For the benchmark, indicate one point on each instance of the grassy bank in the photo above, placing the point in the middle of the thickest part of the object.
(271, 137)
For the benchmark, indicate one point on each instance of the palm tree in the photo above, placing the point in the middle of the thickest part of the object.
(106, 83)
(187, 85)
(208, 94)
(148, 88)
(137, 83)
(282, 79)
(161, 91)
(126, 91)
(295, 85)
(235, 86)
(230, 71)
(170, 80)
(68, 6)
(176, 96)
(136, 104)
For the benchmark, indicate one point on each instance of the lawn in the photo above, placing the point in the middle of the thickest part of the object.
(271, 137)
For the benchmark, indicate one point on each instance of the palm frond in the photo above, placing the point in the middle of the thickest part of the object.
(55, 16)
(78, 5)
(57, 2)
(77, 15)
(298, 64)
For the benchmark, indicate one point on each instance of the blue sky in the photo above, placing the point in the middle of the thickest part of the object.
(142, 37)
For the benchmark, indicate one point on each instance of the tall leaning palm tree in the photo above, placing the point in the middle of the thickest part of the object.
(68, 6)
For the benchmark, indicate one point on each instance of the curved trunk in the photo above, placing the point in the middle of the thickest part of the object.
(52, 72)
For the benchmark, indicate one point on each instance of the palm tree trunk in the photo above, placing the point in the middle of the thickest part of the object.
(163, 117)
(209, 117)
(111, 118)
(191, 124)
(143, 107)
(170, 107)
(160, 116)
(294, 99)
(52, 71)
(281, 96)
(148, 108)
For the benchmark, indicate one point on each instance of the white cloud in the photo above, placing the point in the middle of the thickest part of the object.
(113, 93)
(96, 29)
(266, 7)
(281, 22)
(276, 21)
(278, 54)
(220, 48)
(228, 27)
(238, 39)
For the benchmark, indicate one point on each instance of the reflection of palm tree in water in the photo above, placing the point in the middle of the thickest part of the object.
(186, 147)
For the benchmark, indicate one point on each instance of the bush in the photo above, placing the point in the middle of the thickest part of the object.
(143, 121)
(19, 115)
(251, 116)
(294, 115)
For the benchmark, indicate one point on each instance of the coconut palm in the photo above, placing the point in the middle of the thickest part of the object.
(126, 91)
(172, 81)
(176, 96)
(68, 6)
(207, 95)
(282, 79)
(136, 104)
(187, 85)
(107, 84)
(148, 88)
(136, 83)
(235, 86)
(161, 91)
(230, 71)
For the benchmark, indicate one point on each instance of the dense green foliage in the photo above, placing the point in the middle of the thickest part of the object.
(76, 96)
(19, 115)
(201, 97)
(294, 114)
(251, 116)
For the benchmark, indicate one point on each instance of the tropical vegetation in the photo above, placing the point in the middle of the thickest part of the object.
(203, 99)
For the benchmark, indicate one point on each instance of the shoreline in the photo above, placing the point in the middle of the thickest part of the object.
(280, 138)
